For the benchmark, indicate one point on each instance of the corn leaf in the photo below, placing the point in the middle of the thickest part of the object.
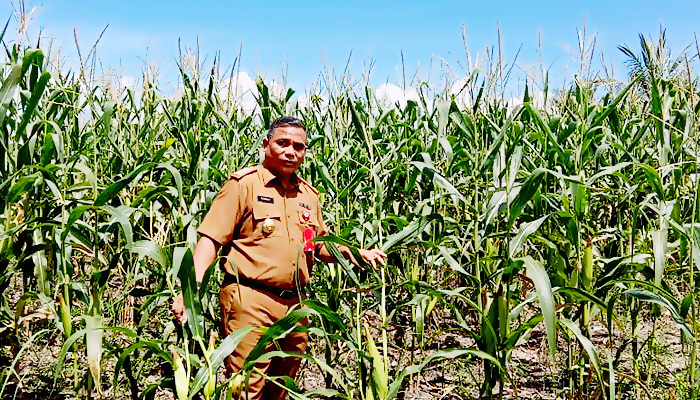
(536, 272)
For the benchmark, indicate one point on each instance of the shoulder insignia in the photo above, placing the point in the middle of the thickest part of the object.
(243, 172)
(307, 184)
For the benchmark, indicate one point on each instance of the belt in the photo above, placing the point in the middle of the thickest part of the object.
(286, 294)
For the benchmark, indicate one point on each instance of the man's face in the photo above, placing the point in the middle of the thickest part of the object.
(284, 150)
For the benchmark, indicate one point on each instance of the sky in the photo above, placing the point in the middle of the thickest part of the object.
(297, 41)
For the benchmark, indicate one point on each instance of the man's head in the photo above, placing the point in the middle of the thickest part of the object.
(285, 146)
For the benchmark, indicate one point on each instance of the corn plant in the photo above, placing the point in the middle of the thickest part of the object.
(547, 220)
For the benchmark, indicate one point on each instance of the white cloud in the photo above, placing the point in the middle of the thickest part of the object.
(128, 82)
(389, 95)
(537, 101)
(241, 90)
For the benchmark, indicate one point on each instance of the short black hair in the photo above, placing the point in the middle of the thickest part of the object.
(285, 121)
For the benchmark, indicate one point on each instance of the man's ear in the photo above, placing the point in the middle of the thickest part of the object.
(265, 142)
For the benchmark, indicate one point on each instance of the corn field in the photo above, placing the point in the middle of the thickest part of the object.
(543, 248)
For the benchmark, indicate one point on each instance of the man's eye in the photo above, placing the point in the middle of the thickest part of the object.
(283, 143)
(299, 147)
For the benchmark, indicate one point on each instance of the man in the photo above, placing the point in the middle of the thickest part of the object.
(263, 219)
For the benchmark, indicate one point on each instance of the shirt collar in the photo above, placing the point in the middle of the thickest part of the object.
(267, 177)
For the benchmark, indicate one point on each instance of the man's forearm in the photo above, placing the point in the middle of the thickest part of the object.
(373, 257)
(204, 254)
(325, 255)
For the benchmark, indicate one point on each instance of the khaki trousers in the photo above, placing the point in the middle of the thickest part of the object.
(243, 306)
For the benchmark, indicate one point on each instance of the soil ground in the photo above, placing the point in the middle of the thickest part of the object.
(533, 372)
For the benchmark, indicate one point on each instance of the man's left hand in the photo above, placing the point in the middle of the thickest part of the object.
(373, 257)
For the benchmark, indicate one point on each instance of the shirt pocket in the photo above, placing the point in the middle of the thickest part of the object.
(267, 220)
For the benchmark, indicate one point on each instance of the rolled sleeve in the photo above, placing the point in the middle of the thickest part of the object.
(322, 229)
(221, 221)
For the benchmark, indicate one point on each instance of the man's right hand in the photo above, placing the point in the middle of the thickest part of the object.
(178, 309)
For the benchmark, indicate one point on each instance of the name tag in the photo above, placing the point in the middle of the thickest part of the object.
(265, 199)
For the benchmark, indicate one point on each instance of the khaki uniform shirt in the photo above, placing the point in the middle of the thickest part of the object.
(251, 198)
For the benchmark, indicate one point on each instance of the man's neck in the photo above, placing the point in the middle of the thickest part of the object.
(285, 180)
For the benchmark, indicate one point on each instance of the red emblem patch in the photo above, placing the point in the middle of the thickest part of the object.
(308, 235)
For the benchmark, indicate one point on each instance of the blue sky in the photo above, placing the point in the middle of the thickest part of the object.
(304, 38)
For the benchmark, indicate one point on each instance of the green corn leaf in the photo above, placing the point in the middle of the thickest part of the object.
(514, 166)
(454, 265)
(522, 333)
(225, 348)
(48, 150)
(607, 171)
(653, 179)
(18, 357)
(579, 195)
(33, 101)
(587, 346)
(19, 188)
(380, 379)
(154, 346)
(7, 91)
(89, 175)
(525, 230)
(177, 178)
(447, 148)
(112, 190)
(443, 113)
(67, 345)
(340, 380)
(440, 180)
(436, 356)
(527, 191)
(347, 266)
(419, 301)
(498, 140)
(406, 235)
(685, 305)
(655, 298)
(326, 177)
(278, 329)
(612, 106)
(578, 294)
(327, 315)
(553, 140)
(121, 216)
(73, 217)
(190, 294)
(292, 389)
(536, 272)
(150, 249)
